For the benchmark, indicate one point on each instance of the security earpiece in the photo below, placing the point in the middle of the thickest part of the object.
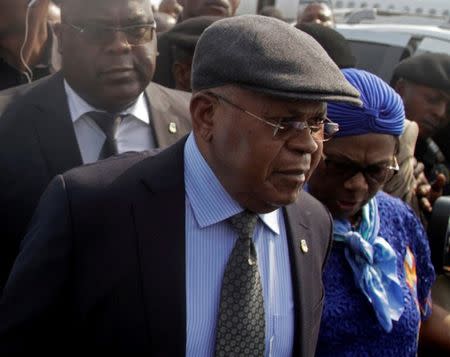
(28, 72)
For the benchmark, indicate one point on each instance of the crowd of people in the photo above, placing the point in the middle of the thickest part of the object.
(182, 181)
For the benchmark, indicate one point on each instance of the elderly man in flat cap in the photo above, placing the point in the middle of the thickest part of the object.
(423, 82)
(209, 248)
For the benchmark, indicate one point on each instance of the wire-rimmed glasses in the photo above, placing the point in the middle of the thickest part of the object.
(322, 130)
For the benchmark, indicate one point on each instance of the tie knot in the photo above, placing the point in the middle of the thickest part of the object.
(108, 122)
(244, 223)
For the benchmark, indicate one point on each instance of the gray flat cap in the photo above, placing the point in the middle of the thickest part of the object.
(268, 56)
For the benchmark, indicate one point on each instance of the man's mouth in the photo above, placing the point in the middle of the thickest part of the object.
(117, 73)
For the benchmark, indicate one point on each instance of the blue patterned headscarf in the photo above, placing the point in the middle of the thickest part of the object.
(382, 111)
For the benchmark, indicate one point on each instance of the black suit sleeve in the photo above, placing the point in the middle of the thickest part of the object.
(32, 304)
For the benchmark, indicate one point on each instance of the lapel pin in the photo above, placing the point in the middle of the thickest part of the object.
(304, 246)
(172, 127)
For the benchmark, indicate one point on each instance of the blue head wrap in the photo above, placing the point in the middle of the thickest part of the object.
(382, 111)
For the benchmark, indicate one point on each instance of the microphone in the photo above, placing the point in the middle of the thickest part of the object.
(435, 159)
(439, 235)
(434, 150)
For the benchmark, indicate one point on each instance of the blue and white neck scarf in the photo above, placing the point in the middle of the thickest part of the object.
(373, 262)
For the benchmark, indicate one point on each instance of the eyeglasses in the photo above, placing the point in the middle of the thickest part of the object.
(374, 174)
(322, 130)
(136, 35)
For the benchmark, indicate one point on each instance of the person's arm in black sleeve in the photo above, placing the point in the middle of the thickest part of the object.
(33, 304)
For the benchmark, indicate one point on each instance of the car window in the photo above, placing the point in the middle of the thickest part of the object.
(434, 45)
(377, 58)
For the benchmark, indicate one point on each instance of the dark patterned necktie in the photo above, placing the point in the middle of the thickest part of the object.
(241, 322)
(109, 123)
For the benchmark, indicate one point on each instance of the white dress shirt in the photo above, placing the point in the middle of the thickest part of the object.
(134, 133)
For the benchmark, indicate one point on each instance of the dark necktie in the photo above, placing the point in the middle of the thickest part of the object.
(241, 322)
(109, 124)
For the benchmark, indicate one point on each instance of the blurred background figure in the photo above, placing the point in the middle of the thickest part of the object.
(423, 82)
(170, 7)
(164, 22)
(317, 12)
(184, 37)
(193, 8)
(27, 44)
(336, 46)
(271, 11)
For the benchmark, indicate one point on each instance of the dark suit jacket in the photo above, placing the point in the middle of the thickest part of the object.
(37, 142)
(102, 267)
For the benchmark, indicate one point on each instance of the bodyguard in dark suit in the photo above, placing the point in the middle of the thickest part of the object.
(208, 248)
(108, 53)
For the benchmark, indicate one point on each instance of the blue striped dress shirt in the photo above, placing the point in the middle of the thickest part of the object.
(209, 241)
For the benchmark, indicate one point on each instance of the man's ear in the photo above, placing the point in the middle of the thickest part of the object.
(203, 107)
(57, 28)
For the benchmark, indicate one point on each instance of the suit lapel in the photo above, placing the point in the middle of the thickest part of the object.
(54, 126)
(159, 213)
(296, 218)
(167, 129)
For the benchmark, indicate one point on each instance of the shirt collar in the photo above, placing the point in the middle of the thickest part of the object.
(78, 106)
(209, 200)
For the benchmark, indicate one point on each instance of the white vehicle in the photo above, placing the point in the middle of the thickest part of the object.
(379, 47)
(421, 7)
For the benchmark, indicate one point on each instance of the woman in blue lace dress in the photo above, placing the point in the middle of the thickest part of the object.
(379, 274)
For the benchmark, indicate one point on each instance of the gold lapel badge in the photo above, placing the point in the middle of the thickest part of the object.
(172, 127)
(304, 246)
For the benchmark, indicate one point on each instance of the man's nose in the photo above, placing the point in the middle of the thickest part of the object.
(302, 141)
(118, 42)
